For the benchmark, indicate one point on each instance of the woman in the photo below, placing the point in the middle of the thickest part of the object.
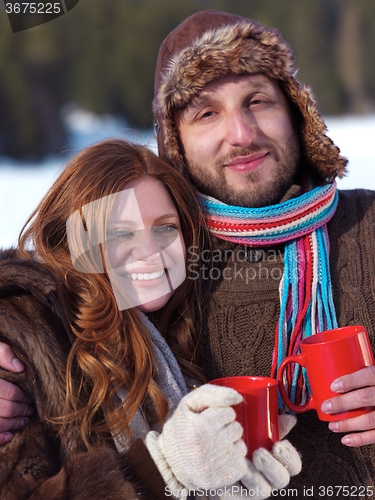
(110, 240)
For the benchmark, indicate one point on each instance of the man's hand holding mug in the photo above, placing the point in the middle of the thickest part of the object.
(340, 368)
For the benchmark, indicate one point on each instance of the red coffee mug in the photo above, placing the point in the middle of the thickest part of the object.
(258, 413)
(327, 356)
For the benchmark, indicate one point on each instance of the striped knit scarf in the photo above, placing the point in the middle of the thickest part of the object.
(306, 304)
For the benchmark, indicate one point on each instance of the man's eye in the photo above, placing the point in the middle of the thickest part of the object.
(254, 102)
(205, 114)
(259, 101)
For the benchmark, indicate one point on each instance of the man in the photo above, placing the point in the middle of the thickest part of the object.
(230, 112)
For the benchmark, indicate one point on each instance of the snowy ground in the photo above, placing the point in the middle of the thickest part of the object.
(22, 187)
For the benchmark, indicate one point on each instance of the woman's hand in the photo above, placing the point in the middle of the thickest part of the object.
(200, 447)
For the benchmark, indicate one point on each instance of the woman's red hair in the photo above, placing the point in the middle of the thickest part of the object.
(112, 348)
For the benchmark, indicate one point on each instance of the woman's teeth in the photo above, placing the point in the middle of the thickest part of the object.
(144, 276)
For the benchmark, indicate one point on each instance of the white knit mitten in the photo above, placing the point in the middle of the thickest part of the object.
(272, 471)
(268, 471)
(286, 424)
(200, 445)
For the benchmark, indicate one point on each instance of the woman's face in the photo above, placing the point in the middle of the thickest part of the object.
(145, 251)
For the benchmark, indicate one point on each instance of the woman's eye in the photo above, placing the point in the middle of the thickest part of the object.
(164, 235)
(120, 233)
(169, 229)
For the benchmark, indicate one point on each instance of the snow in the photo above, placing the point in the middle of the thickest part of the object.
(22, 185)
(355, 136)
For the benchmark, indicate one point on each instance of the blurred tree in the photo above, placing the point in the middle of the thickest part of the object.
(31, 124)
(102, 55)
(350, 57)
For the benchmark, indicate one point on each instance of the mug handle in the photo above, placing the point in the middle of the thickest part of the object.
(298, 358)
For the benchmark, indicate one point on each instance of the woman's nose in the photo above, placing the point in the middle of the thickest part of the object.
(144, 245)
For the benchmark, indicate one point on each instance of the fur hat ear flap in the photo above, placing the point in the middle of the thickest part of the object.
(318, 149)
(168, 143)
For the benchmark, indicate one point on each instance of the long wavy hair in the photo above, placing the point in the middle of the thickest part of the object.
(112, 348)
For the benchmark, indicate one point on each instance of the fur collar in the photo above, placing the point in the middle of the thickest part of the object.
(27, 275)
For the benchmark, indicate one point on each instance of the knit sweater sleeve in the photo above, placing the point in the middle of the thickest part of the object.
(39, 462)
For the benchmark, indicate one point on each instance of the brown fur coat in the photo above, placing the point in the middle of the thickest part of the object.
(37, 463)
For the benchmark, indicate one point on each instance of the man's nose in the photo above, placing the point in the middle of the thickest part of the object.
(240, 128)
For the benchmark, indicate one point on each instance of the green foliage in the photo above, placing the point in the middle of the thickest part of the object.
(102, 55)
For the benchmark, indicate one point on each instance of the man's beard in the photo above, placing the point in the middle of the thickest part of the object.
(266, 193)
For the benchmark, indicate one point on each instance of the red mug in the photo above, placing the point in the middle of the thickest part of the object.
(258, 413)
(327, 356)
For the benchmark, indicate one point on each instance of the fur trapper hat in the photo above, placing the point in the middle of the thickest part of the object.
(210, 45)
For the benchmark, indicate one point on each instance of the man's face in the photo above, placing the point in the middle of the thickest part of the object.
(239, 141)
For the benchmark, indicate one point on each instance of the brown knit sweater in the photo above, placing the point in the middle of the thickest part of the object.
(237, 336)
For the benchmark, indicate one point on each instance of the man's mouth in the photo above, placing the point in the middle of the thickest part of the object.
(248, 162)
